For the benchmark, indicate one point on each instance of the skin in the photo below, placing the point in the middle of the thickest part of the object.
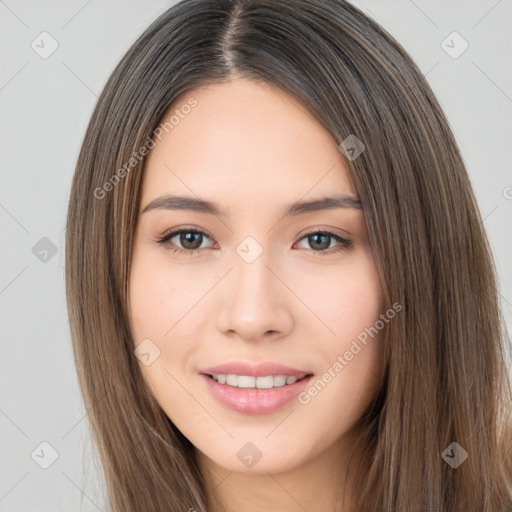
(253, 149)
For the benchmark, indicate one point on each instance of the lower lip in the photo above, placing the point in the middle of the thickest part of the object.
(255, 401)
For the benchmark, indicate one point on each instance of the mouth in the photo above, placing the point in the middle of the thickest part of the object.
(253, 382)
(254, 388)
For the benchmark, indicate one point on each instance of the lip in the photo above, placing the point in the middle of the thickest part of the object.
(254, 401)
(261, 369)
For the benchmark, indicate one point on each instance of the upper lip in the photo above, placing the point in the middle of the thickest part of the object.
(260, 369)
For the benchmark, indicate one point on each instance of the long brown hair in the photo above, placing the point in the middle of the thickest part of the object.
(446, 378)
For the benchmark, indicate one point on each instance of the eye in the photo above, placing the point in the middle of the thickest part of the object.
(321, 240)
(192, 239)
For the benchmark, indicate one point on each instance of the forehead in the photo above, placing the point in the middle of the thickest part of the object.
(245, 138)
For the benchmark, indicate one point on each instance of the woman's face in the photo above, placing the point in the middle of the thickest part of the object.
(282, 318)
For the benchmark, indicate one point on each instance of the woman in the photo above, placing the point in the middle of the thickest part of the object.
(331, 339)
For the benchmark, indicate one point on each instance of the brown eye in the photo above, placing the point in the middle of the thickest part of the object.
(190, 241)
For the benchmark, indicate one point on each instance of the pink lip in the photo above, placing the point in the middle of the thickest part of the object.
(250, 400)
(255, 370)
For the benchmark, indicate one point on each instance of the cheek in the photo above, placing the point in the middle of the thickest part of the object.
(352, 353)
(161, 299)
(160, 310)
(348, 302)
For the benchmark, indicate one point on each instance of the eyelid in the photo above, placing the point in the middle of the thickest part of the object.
(343, 243)
(342, 233)
(171, 233)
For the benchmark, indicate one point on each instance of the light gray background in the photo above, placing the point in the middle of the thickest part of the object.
(45, 105)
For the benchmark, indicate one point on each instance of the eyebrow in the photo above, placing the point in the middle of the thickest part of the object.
(171, 202)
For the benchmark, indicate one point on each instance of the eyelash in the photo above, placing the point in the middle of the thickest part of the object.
(165, 241)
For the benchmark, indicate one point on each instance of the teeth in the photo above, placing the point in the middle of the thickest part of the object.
(247, 381)
(244, 381)
(232, 380)
(279, 380)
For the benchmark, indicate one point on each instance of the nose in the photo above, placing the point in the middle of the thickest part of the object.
(254, 301)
